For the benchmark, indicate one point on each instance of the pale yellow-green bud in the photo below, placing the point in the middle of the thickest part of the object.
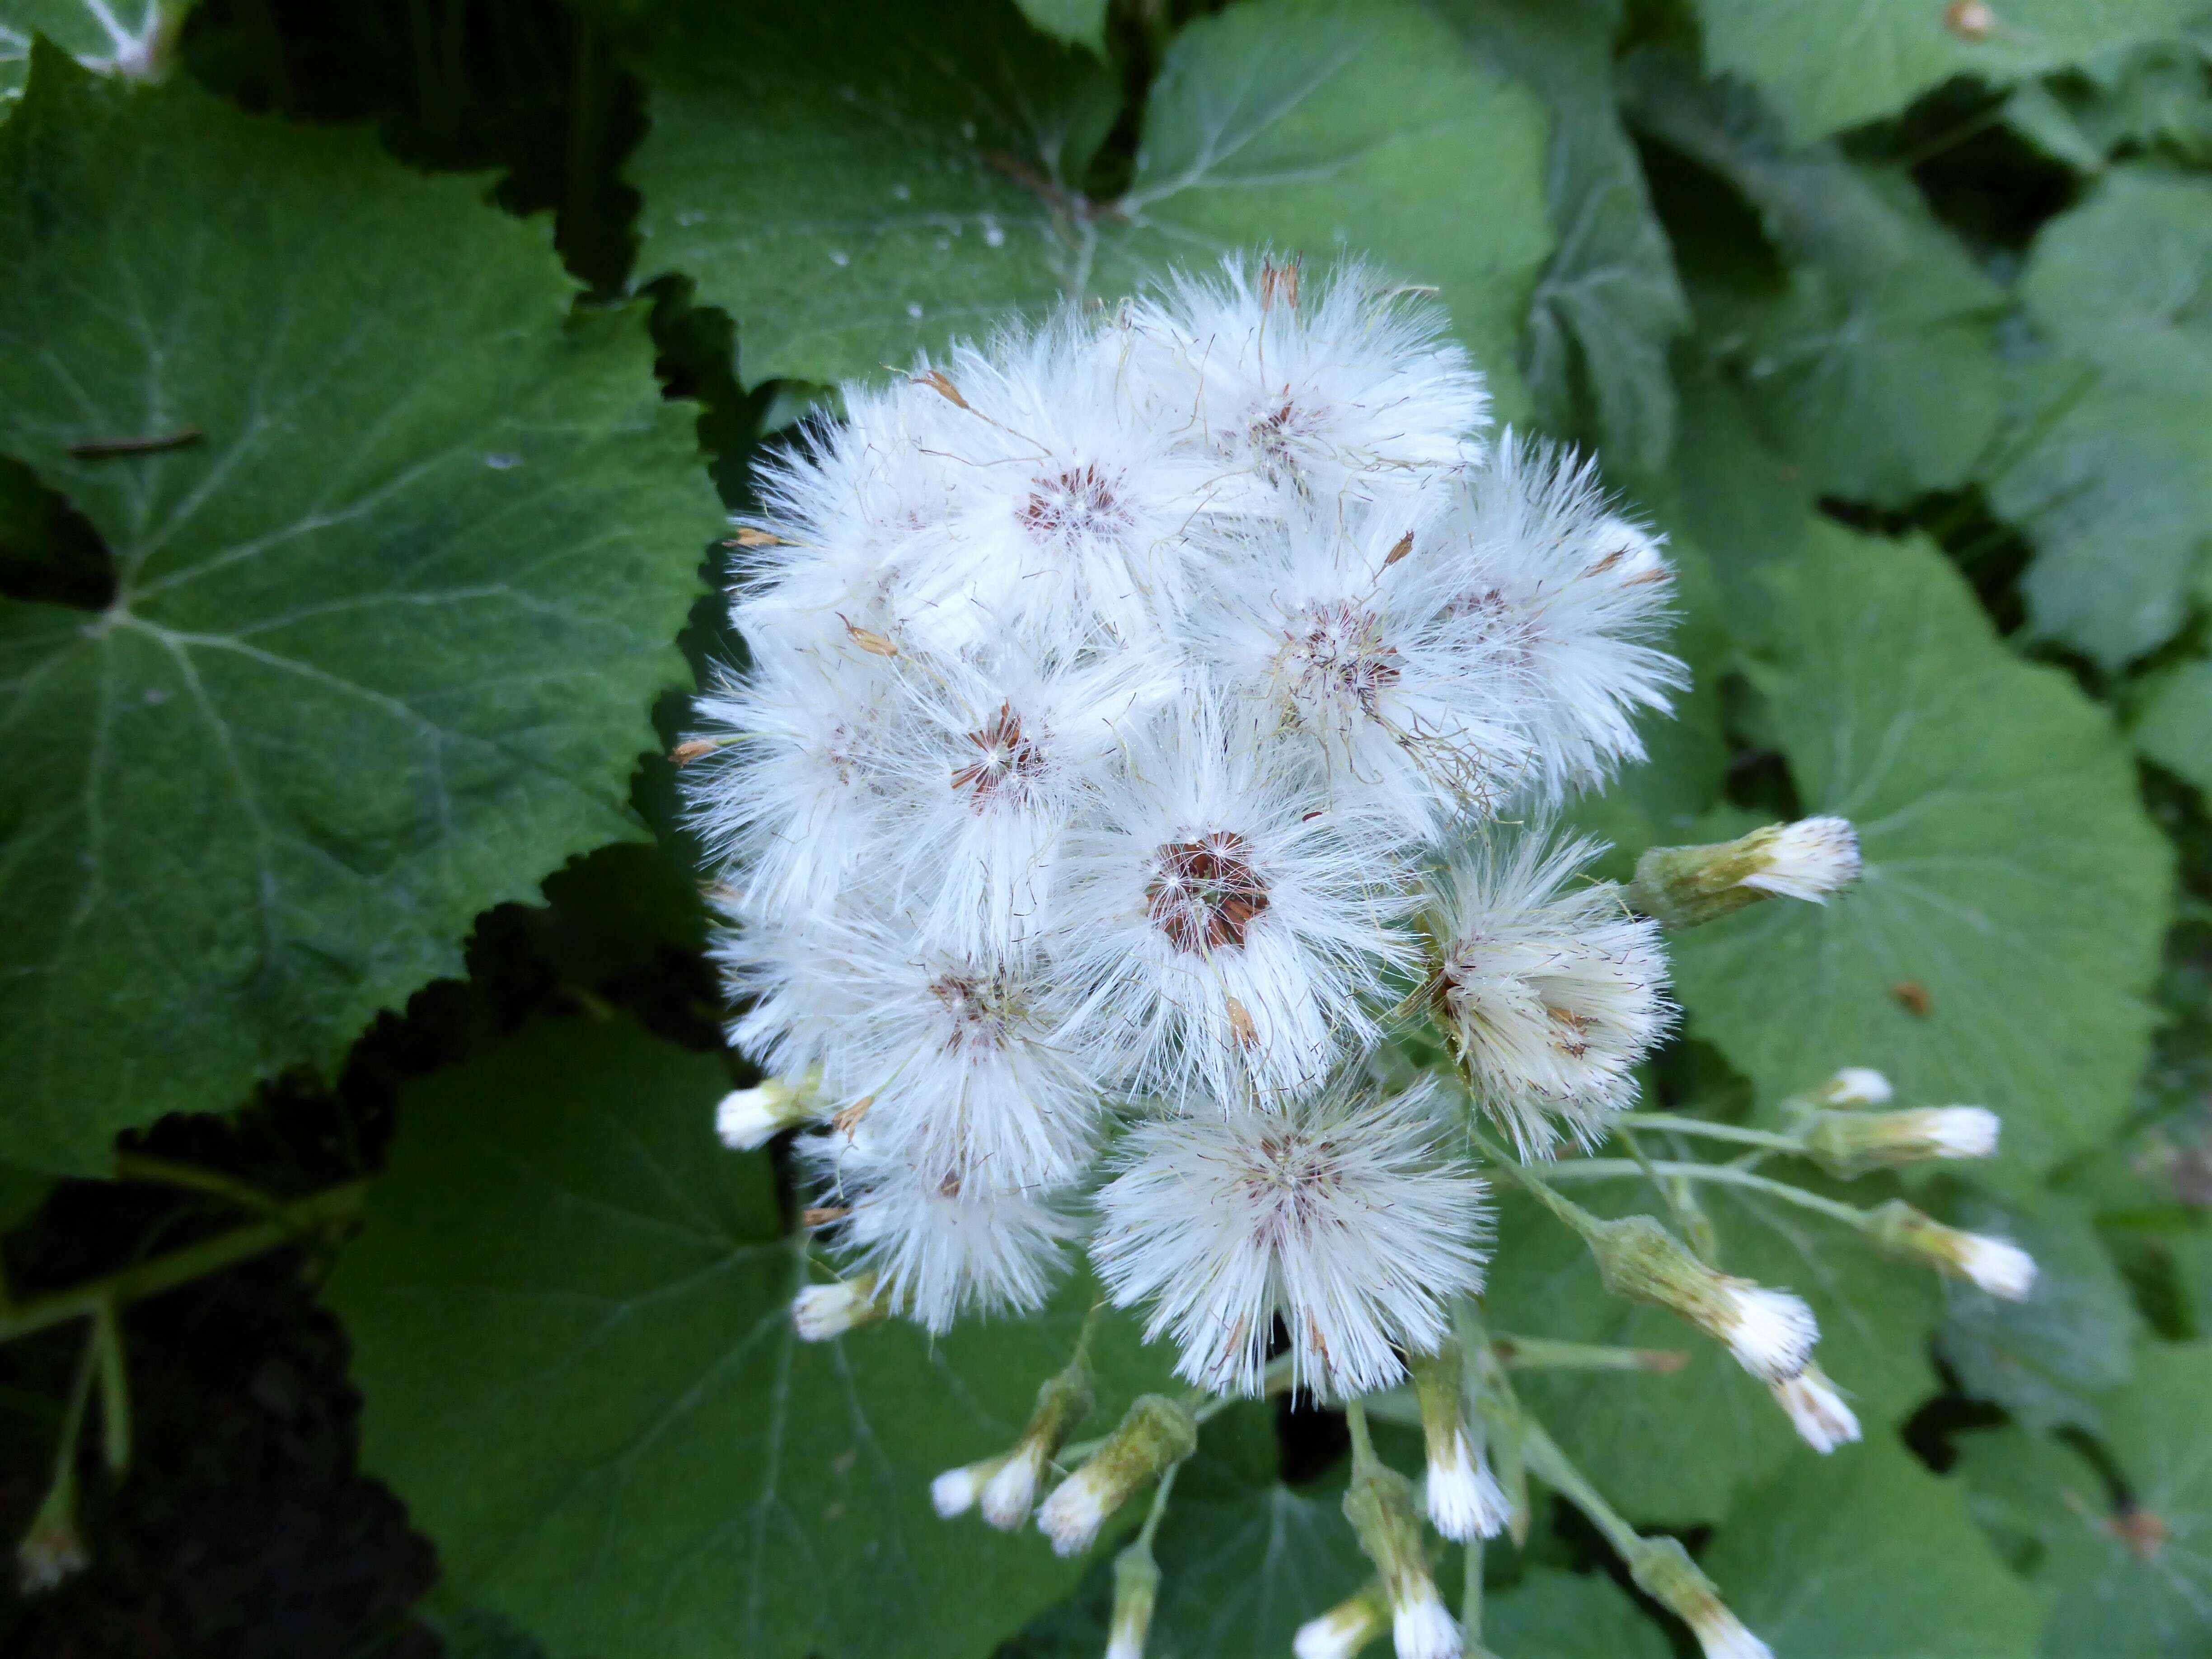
(1686, 886)
(1850, 1143)
(1157, 1433)
(1379, 1504)
(1771, 1333)
(1463, 1497)
(1345, 1628)
(2001, 1268)
(1136, 1587)
(1662, 1570)
(1062, 1402)
(749, 1118)
(52, 1551)
(820, 1312)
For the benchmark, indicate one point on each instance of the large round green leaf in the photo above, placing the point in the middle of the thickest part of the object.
(570, 1316)
(93, 30)
(399, 549)
(855, 180)
(2010, 875)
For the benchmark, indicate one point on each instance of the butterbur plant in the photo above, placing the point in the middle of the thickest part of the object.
(1149, 716)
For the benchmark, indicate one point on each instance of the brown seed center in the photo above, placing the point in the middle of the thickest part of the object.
(1005, 754)
(1335, 654)
(1077, 502)
(1204, 894)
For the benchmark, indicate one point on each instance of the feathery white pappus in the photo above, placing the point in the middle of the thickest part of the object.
(1463, 1497)
(1771, 1333)
(1552, 992)
(1340, 1213)
(1111, 682)
(1816, 1411)
(1808, 859)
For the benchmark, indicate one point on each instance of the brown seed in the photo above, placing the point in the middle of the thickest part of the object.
(1403, 546)
(1912, 996)
(820, 1215)
(748, 536)
(1970, 20)
(692, 748)
(941, 383)
(1240, 1024)
(1204, 894)
(849, 1120)
(875, 644)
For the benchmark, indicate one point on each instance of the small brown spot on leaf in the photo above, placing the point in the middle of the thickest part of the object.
(1912, 996)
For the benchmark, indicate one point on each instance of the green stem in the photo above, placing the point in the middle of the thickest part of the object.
(164, 1272)
(114, 1387)
(1551, 1465)
(1363, 1447)
(1152, 1526)
(1566, 1208)
(1697, 1126)
(1543, 1353)
(1470, 1597)
(1604, 1168)
(161, 1171)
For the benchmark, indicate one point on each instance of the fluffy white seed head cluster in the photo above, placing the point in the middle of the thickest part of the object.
(1115, 690)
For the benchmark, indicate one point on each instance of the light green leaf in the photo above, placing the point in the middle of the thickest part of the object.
(1876, 366)
(92, 31)
(1687, 1446)
(2175, 726)
(2109, 468)
(2049, 1359)
(2134, 1584)
(1565, 1615)
(1609, 302)
(1834, 63)
(569, 1313)
(2010, 873)
(1080, 22)
(856, 180)
(1868, 1556)
(389, 616)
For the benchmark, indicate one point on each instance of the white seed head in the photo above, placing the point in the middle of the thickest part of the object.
(1722, 1635)
(1771, 1333)
(1808, 859)
(2001, 1268)
(1816, 1411)
(1464, 1499)
(1345, 1629)
(1552, 991)
(1079, 1506)
(1856, 1085)
(1340, 1213)
(1011, 1494)
(955, 1491)
(821, 1312)
(1420, 1628)
(1958, 1131)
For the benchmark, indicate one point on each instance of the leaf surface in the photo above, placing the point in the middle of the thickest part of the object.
(570, 1316)
(399, 549)
(857, 181)
(2010, 875)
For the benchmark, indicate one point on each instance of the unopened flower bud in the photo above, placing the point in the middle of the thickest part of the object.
(1136, 1587)
(749, 1118)
(2001, 1268)
(1379, 1504)
(1852, 1143)
(1854, 1086)
(955, 1491)
(1816, 1411)
(1771, 1333)
(1157, 1433)
(52, 1551)
(1463, 1497)
(1344, 1628)
(822, 1311)
(1062, 1403)
(1664, 1570)
(1685, 886)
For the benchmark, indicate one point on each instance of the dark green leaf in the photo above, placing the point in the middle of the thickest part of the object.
(94, 33)
(856, 180)
(2109, 467)
(1565, 1615)
(1833, 64)
(1609, 302)
(1080, 21)
(2175, 726)
(569, 1314)
(2010, 874)
(1868, 1556)
(1687, 1445)
(1876, 365)
(398, 565)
